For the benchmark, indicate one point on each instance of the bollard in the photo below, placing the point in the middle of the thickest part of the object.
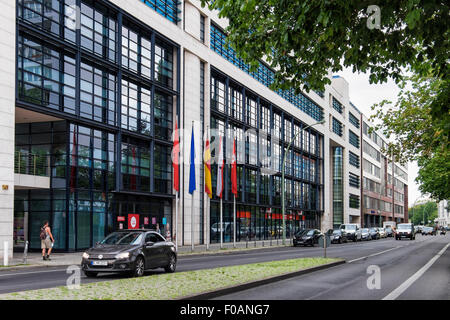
(5, 253)
(25, 253)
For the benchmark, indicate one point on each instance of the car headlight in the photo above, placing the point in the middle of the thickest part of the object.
(123, 255)
(85, 255)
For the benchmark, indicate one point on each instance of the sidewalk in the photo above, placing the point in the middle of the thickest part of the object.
(34, 259)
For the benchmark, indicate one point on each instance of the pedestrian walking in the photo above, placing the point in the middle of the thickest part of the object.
(157, 228)
(47, 241)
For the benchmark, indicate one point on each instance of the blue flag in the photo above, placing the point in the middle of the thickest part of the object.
(192, 165)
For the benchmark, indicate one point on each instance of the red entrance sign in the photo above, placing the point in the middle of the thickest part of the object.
(120, 218)
(145, 220)
(133, 221)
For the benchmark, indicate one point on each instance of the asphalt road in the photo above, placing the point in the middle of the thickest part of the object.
(385, 251)
(418, 269)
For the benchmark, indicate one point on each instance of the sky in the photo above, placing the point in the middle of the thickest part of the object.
(364, 95)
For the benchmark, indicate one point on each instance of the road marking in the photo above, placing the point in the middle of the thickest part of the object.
(405, 285)
(374, 254)
(381, 252)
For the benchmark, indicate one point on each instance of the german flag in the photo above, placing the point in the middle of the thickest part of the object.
(207, 161)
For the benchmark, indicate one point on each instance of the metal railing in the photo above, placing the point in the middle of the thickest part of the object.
(31, 163)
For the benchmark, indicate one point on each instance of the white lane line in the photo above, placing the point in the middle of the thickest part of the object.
(374, 254)
(405, 285)
(381, 252)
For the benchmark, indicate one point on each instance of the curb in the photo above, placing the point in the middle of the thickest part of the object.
(32, 266)
(227, 252)
(249, 285)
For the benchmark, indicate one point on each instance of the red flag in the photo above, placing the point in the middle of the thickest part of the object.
(234, 188)
(176, 159)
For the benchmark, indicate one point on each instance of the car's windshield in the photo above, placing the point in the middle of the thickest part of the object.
(348, 227)
(310, 232)
(404, 226)
(372, 229)
(336, 231)
(364, 230)
(123, 238)
(300, 232)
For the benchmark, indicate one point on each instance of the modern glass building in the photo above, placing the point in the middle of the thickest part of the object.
(92, 91)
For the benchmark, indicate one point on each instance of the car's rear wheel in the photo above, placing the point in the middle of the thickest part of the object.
(90, 274)
(170, 268)
(139, 267)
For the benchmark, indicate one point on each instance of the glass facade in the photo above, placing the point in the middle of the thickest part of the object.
(113, 85)
(264, 74)
(264, 129)
(167, 8)
(338, 187)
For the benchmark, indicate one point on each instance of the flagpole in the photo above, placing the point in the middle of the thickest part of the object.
(221, 224)
(207, 198)
(192, 205)
(234, 222)
(176, 221)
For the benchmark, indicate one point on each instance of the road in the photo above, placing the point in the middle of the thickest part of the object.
(418, 269)
(387, 253)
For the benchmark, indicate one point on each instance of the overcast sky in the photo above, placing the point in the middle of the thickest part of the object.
(364, 95)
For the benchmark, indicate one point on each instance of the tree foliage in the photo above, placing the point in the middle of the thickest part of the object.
(418, 135)
(305, 40)
(427, 211)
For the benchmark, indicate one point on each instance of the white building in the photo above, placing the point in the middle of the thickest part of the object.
(89, 105)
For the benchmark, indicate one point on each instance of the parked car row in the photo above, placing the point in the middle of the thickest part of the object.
(344, 234)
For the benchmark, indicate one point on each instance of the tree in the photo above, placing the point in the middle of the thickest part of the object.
(305, 40)
(418, 135)
(427, 211)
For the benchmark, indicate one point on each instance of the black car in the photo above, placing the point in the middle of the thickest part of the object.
(443, 231)
(131, 252)
(389, 232)
(374, 233)
(338, 236)
(307, 237)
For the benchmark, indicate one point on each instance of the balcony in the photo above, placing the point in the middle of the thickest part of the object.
(31, 171)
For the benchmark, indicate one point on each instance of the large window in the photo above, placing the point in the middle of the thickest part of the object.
(98, 31)
(163, 116)
(136, 108)
(353, 139)
(41, 13)
(136, 52)
(354, 201)
(337, 105)
(353, 159)
(163, 169)
(337, 127)
(97, 94)
(353, 180)
(353, 120)
(234, 102)
(164, 64)
(135, 165)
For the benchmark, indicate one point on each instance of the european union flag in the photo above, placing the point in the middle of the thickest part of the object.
(192, 165)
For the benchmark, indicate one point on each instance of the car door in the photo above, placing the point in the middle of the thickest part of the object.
(161, 247)
(151, 250)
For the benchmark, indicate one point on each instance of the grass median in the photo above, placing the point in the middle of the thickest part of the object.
(171, 286)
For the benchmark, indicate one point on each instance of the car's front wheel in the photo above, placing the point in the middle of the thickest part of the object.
(170, 268)
(139, 267)
(90, 274)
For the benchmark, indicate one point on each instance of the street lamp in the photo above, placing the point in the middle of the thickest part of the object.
(282, 177)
